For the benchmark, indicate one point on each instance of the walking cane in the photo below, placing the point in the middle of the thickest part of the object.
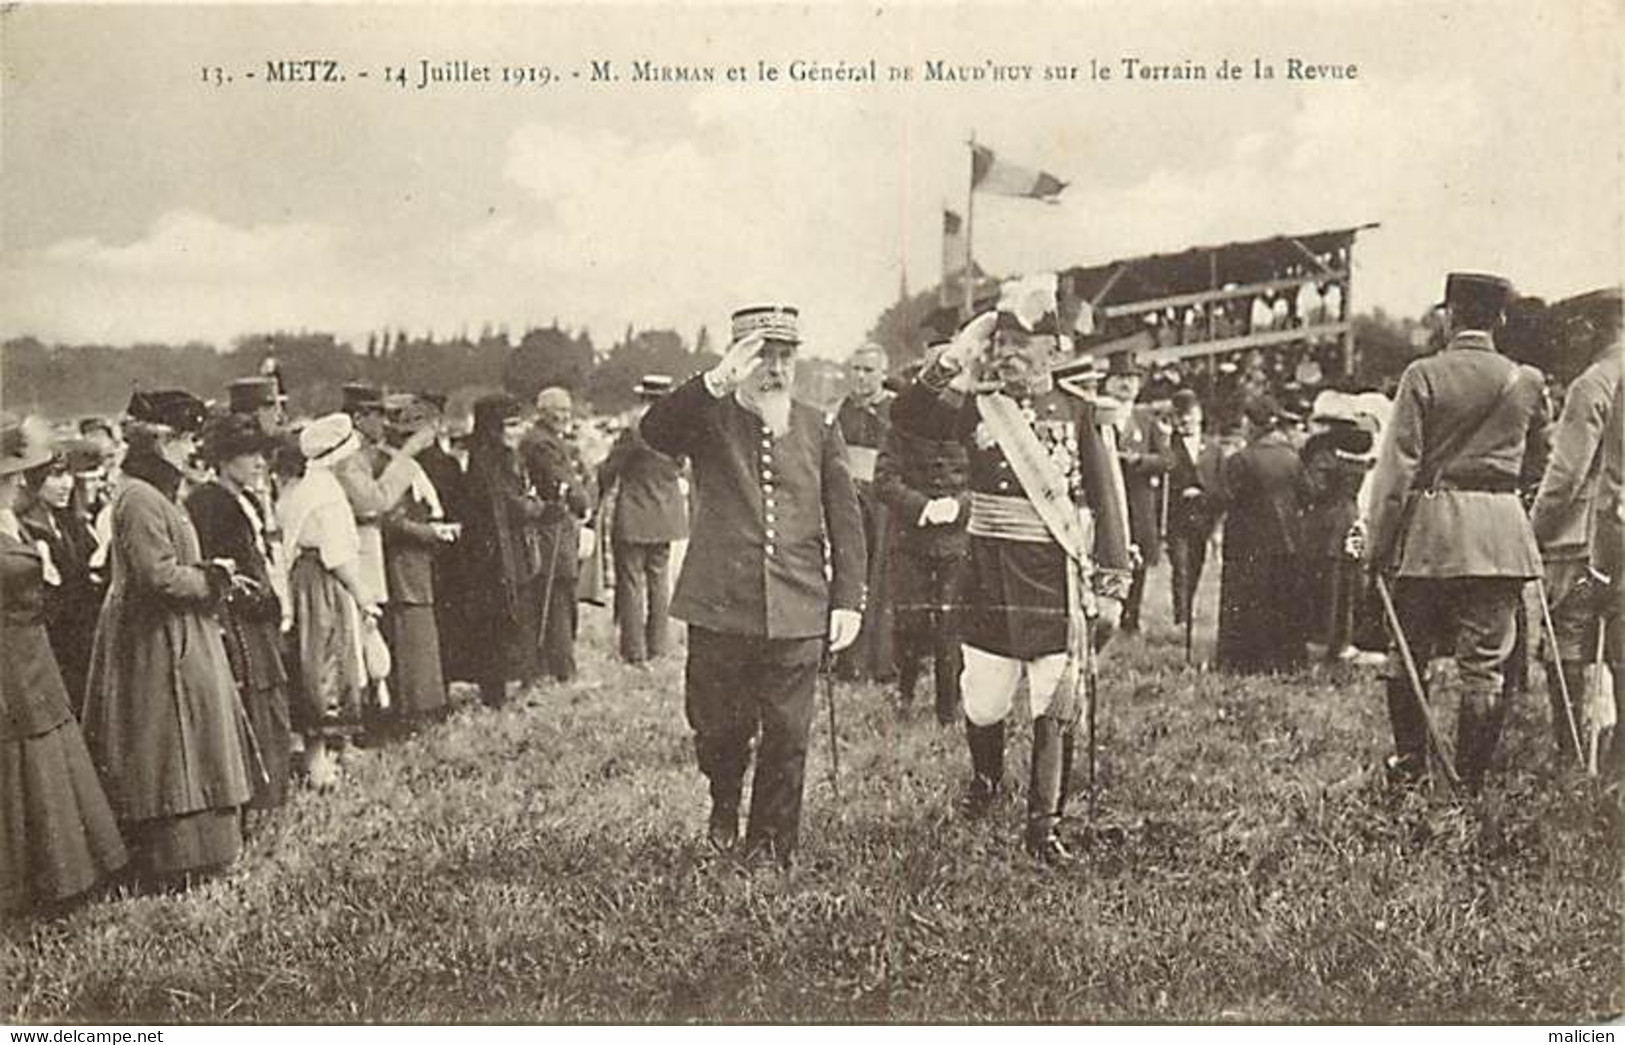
(1594, 690)
(826, 668)
(1091, 681)
(1190, 610)
(1557, 657)
(1436, 743)
(547, 587)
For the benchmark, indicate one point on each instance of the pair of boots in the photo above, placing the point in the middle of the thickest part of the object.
(1047, 788)
(1478, 730)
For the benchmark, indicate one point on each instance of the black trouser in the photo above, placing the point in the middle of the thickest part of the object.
(739, 686)
(1471, 620)
(557, 641)
(1187, 555)
(642, 599)
(1136, 596)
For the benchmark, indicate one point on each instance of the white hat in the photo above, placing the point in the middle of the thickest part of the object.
(328, 440)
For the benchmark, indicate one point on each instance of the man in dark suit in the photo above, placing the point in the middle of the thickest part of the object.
(555, 470)
(1447, 523)
(771, 492)
(917, 479)
(865, 417)
(1193, 482)
(649, 514)
(1142, 450)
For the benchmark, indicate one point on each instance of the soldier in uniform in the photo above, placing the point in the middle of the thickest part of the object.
(922, 483)
(1048, 539)
(771, 492)
(1578, 517)
(865, 417)
(1142, 450)
(649, 515)
(1446, 521)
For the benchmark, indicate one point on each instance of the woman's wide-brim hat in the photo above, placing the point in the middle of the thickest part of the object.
(772, 322)
(234, 435)
(25, 444)
(329, 439)
(492, 411)
(171, 408)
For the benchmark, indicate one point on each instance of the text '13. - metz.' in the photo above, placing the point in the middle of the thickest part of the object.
(303, 70)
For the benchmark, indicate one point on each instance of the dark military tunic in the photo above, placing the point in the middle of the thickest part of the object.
(1017, 593)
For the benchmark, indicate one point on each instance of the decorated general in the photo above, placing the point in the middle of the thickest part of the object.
(1049, 545)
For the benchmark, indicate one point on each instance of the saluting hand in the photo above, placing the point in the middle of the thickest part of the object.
(738, 363)
(844, 626)
(971, 341)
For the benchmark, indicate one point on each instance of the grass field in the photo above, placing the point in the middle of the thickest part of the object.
(544, 864)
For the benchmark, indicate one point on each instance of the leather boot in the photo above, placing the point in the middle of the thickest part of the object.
(987, 766)
(1476, 736)
(1574, 673)
(1046, 792)
(1410, 762)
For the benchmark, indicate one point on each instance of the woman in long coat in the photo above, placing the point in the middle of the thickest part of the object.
(1261, 608)
(73, 596)
(161, 712)
(232, 523)
(501, 555)
(58, 837)
(414, 530)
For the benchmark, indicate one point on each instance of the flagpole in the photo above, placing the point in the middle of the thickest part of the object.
(970, 224)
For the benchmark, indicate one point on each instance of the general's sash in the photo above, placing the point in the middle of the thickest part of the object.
(1046, 487)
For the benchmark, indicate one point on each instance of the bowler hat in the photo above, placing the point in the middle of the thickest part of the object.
(171, 407)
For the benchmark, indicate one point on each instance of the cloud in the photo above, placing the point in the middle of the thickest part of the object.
(184, 243)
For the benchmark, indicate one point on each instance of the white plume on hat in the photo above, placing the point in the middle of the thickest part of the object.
(1030, 298)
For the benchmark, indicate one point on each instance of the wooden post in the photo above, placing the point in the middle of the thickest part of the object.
(1350, 358)
(970, 219)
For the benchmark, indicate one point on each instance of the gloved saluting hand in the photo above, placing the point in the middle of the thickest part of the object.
(966, 348)
(738, 363)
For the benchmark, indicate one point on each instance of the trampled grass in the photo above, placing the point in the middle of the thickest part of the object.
(544, 864)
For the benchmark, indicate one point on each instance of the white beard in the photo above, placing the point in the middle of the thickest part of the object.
(772, 407)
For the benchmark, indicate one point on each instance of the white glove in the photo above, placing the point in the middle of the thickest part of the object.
(738, 363)
(1355, 540)
(966, 348)
(844, 626)
(939, 511)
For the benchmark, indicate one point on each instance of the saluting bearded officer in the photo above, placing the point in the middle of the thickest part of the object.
(1049, 539)
(771, 492)
(1446, 520)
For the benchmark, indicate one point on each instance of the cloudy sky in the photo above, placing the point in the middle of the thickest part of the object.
(140, 203)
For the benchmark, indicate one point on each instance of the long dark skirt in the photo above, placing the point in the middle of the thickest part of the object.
(1261, 613)
(57, 833)
(270, 718)
(190, 843)
(417, 686)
